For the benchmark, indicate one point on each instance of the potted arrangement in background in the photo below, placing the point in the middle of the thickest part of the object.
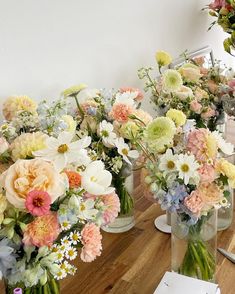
(205, 94)
(188, 178)
(105, 117)
(54, 197)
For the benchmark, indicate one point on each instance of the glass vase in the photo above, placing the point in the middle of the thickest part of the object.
(225, 214)
(125, 220)
(193, 246)
(51, 287)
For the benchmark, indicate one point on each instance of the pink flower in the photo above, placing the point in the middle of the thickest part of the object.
(217, 4)
(91, 240)
(231, 84)
(38, 202)
(195, 106)
(121, 112)
(43, 231)
(204, 71)
(212, 86)
(3, 145)
(210, 193)
(207, 173)
(139, 96)
(208, 113)
(194, 202)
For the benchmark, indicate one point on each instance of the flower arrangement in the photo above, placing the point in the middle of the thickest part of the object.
(202, 93)
(106, 117)
(186, 176)
(224, 11)
(55, 195)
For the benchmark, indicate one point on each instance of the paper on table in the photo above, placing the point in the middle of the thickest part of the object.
(173, 283)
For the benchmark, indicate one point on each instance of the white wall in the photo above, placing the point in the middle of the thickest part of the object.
(48, 45)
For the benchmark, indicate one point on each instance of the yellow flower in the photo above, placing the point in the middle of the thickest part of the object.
(227, 169)
(129, 130)
(23, 146)
(15, 104)
(163, 58)
(71, 123)
(159, 133)
(178, 117)
(172, 80)
(3, 206)
(74, 90)
(190, 72)
(211, 146)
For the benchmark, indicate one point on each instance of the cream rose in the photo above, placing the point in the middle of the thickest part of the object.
(184, 92)
(190, 72)
(35, 174)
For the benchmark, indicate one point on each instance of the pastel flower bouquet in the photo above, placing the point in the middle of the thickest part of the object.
(204, 93)
(224, 11)
(54, 197)
(105, 117)
(188, 178)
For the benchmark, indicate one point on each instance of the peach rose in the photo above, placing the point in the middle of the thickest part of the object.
(208, 113)
(210, 193)
(194, 202)
(195, 106)
(35, 174)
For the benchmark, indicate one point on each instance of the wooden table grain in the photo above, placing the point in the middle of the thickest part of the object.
(134, 262)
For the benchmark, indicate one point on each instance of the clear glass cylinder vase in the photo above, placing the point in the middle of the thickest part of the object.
(225, 214)
(125, 220)
(193, 246)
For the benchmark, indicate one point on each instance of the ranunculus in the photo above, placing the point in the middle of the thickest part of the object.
(212, 86)
(195, 106)
(183, 93)
(35, 174)
(3, 145)
(190, 72)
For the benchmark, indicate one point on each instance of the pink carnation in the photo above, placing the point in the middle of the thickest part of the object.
(91, 240)
(208, 113)
(38, 202)
(139, 96)
(217, 4)
(195, 106)
(121, 112)
(207, 173)
(194, 202)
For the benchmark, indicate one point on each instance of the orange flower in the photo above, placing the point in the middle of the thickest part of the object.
(74, 179)
(43, 231)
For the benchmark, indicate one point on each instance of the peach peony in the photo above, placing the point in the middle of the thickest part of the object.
(35, 174)
(43, 231)
(121, 112)
(91, 240)
(194, 202)
(210, 193)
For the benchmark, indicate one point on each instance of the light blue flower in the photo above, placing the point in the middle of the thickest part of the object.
(7, 258)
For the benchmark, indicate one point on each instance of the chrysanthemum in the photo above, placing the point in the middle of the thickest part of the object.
(23, 146)
(163, 58)
(202, 144)
(159, 133)
(178, 117)
(18, 103)
(172, 80)
(74, 90)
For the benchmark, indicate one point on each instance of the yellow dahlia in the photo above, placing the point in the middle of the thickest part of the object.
(163, 58)
(15, 104)
(23, 146)
(178, 117)
(74, 90)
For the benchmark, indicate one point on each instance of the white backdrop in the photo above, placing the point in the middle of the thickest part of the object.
(48, 45)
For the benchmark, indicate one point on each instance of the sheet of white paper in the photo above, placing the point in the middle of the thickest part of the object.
(173, 283)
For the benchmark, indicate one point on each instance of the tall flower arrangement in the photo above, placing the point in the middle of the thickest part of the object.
(187, 176)
(204, 93)
(224, 11)
(105, 117)
(54, 196)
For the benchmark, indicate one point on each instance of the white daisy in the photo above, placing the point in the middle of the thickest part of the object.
(86, 209)
(124, 150)
(59, 256)
(63, 151)
(75, 237)
(65, 225)
(225, 147)
(61, 274)
(107, 134)
(187, 167)
(167, 162)
(96, 180)
(71, 253)
(66, 242)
